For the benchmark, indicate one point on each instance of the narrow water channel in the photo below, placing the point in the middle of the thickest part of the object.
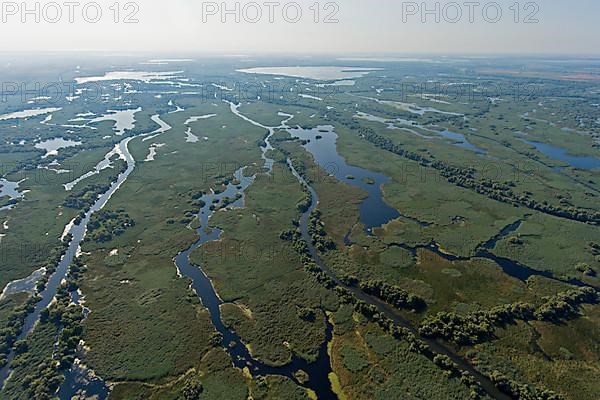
(232, 343)
(509, 267)
(318, 371)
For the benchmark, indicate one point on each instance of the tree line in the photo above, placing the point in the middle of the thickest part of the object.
(494, 190)
(86, 197)
(391, 294)
(478, 327)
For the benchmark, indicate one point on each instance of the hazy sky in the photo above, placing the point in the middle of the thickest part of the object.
(364, 26)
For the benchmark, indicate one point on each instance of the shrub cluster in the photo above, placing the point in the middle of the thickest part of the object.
(317, 233)
(86, 197)
(393, 295)
(520, 391)
(106, 224)
(14, 326)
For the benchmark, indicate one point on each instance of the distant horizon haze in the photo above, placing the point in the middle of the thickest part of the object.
(348, 27)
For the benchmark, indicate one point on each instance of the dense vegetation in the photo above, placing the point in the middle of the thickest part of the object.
(12, 330)
(106, 224)
(520, 391)
(317, 232)
(86, 197)
(393, 295)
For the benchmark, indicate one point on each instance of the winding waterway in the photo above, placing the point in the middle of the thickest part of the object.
(318, 371)
(239, 353)
(270, 131)
(374, 212)
(485, 251)
(80, 379)
(454, 138)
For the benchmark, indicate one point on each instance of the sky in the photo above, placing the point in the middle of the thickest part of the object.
(342, 27)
